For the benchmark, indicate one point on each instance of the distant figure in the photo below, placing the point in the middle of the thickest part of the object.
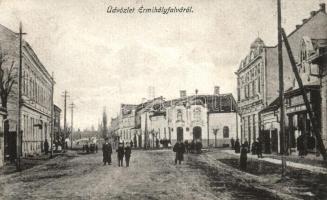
(243, 157)
(179, 148)
(237, 146)
(187, 146)
(157, 143)
(259, 148)
(46, 146)
(107, 151)
(192, 146)
(131, 143)
(246, 143)
(232, 143)
(300, 145)
(120, 154)
(254, 148)
(128, 152)
(198, 147)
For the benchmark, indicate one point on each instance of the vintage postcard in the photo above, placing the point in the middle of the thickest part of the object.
(163, 99)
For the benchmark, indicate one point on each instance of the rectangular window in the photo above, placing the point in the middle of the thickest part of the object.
(253, 88)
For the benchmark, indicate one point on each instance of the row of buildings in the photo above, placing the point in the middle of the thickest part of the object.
(211, 119)
(257, 87)
(36, 99)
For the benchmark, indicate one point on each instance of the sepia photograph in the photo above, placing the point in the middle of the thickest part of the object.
(163, 99)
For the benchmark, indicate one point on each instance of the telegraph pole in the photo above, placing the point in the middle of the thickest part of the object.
(65, 95)
(281, 86)
(18, 134)
(52, 114)
(72, 106)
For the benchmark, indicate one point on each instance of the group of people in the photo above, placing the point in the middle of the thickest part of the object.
(180, 148)
(244, 149)
(122, 151)
(193, 147)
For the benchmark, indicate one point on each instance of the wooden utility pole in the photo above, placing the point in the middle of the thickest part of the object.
(18, 133)
(281, 86)
(72, 106)
(65, 95)
(312, 117)
(52, 114)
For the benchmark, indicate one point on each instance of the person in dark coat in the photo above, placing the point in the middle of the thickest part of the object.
(300, 145)
(187, 146)
(179, 148)
(128, 152)
(120, 154)
(192, 146)
(232, 143)
(254, 148)
(243, 157)
(157, 143)
(46, 146)
(246, 143)
(198, 147)
(259, 148)
(131, 144)
(107, 151)
(237, 146)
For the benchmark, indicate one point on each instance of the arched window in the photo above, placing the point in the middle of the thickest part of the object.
(226, 132)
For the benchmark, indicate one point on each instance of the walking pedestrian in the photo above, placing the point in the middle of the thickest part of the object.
(179, 148)
(128, 152)
(120, 154)
(243, 157)
(46, 146)
(237, 146)
(107, 151)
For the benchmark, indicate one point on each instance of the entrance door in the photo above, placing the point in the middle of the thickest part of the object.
(266, 141)
(197, 133)
(180, 134)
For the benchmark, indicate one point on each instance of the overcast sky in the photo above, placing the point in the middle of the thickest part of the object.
(105, 59)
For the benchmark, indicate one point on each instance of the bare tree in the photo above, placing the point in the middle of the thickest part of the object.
(8, 78)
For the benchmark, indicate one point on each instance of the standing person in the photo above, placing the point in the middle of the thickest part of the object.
(246, 143)
(179, 148)
(237, 146)
(187, 148)
(232, 142)
(46, 146)
(128, 152)
(300, 145)
(131, 144)
(120, 154)
(259, 148)
(157, 143)
(107, 151)
(243, 157)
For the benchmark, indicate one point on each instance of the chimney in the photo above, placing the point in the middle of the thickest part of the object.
(182, 93)
(312, 13)
(297, 26)
(323, 7)
(217, 92)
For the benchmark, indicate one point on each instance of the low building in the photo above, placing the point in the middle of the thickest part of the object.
(210, 119)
